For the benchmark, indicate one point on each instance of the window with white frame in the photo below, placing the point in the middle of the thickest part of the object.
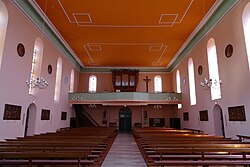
(92, 83)
(157, 83)
(246, 29)
(36, 63)
(213, 70)
(72, 81)
(58, 80)
(191, 79)
(178, 85)
(3, 27)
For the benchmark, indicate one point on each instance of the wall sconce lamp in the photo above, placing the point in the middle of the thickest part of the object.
(169, 99)
(157, 106)
(92, 106)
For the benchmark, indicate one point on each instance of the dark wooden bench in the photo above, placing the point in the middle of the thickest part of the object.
(194, 130)
(48, 157)
(189, 155)
(68, 147)
(203, 163)
(47, 162)
(242, 137)
(188, 149)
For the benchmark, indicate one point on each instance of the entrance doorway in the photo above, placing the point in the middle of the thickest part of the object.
(175, 123)
(125, 119)
(30, 120)
(218, 121)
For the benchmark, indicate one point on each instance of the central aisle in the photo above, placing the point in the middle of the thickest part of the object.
(124, 152)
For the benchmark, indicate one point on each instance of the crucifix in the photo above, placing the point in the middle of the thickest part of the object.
(147, 81)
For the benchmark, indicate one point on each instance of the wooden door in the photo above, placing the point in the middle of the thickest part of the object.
(125, 119)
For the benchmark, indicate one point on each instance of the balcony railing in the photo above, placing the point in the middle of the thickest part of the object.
(136, 98)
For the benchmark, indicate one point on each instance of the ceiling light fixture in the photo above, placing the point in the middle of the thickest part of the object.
(38, 82)
(211, 83)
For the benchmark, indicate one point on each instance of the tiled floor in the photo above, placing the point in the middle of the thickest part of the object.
(124, 153)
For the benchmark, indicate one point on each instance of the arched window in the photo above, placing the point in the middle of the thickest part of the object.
(36, 63)
(3, 27)
(157, 83)
(72, 81)
(246, 28)
(58, 80)
(213, 70)
(92, 83)
(178, 85)
(191, 80)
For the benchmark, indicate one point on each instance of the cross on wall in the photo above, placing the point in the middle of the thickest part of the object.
(147, 80)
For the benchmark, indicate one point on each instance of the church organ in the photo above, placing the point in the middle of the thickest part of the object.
(125, 80)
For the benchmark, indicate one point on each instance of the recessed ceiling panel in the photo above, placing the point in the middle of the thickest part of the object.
(125, 33)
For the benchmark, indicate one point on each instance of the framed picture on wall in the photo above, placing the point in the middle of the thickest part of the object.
(20, 49)
(185, 116)
(200, 69)
(12, 112)
(45, 114)
(63, 115)
(204, 115)
(237, 113)
(229, 50)
(49, 69)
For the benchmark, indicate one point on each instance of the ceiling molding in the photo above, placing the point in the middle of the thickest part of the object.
(46, 29)
(215, 18)
(108, 69)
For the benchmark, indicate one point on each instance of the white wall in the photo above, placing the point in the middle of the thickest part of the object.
(233, 72)
(15, 71)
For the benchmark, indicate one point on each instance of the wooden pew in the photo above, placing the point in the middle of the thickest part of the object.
(188, 149)
(203, 156)
(194, 130)
(243, 137)
(81, 146)
(45, 158)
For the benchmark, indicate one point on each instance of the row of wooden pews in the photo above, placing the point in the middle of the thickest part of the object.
(85, 146)
(171, 147)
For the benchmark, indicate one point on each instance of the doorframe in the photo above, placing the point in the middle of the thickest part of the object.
(218, 119)
(26, 122)
(30, 120)
(126, 111)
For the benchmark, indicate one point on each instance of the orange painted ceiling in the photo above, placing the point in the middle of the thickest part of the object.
(125, 33)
